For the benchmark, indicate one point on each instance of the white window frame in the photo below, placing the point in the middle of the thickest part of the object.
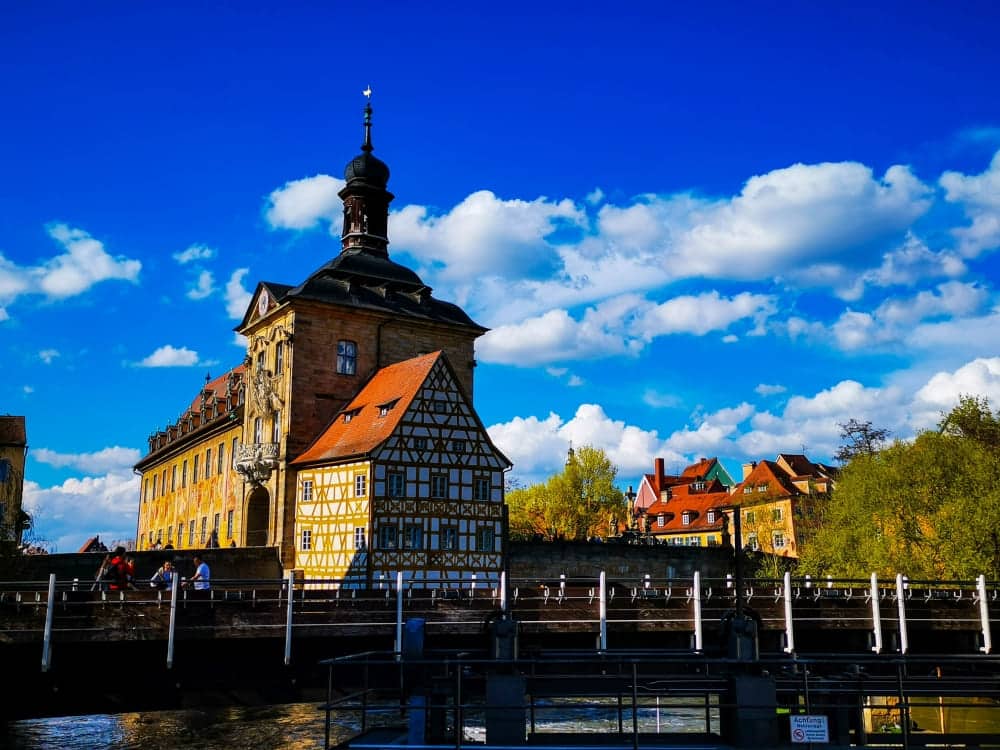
(481, 488)
(305, 543)
(307, 490)
(359, 538)
(360, 485)
(778, 540)
(439, 486)
(347, 357)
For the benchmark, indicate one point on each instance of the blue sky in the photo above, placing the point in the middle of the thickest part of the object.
(695, 231)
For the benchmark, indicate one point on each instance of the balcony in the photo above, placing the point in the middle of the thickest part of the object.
(255, 461)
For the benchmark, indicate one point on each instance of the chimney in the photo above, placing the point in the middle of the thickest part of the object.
(747, 468)
(658, 469)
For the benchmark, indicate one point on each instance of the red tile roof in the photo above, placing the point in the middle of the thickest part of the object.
(216, 388)
(770, 473)
(697, 504)
(366, 429)
(700, 469)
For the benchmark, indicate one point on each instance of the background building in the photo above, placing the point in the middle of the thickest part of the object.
(13, 450)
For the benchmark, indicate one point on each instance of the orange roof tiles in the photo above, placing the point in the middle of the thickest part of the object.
(216, 387)
(697, 505)
(367, 428)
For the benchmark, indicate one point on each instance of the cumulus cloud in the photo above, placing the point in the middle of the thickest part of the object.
(306, 203)
(115, 458)
(619, 326)
(979, 196)
(894, 319)
(981, 377)
(48, 355)
(765, 389)
(237, 298)
(203, 287)
(169, 356)
(193, 253)
(84, 263)
(486, 234)
(67, 514)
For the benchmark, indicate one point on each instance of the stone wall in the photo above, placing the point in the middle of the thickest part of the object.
(545, 560)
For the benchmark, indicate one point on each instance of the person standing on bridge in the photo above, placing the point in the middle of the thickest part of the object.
(202, 575)
(164, 577)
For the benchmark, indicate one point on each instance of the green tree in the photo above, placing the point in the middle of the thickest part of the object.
(860, 439)
(579, 502)
(929, 508)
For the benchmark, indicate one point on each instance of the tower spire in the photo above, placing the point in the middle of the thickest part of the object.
(367, 145)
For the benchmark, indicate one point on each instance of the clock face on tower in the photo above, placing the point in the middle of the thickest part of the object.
(262, 303)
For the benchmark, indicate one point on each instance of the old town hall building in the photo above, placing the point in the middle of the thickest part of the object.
(348, 437)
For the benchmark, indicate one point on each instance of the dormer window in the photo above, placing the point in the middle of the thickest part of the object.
(710, 516)
(697, 486)
(384, 409)
(349, 415)
(661, 520)
(686, 517)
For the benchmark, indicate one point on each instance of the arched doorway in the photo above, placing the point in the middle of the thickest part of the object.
(258, 517)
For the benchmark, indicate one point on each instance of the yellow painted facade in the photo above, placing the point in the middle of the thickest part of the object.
(13, 446)
(332, 521)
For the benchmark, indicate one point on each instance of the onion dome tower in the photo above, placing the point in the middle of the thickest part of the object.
(366, 200)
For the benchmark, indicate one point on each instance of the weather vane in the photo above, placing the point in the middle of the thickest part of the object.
(368, 92)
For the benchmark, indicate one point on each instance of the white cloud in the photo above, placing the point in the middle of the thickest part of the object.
(237, 298)
(595, 196)
(713, 432)
(115, 458)
(538, 447)
(769, 390)
(27, 390)
(305, 203)
(84, 264)
(67, 514)
(981, 377)
(618, 326)
(194, 252)
(485, 234)
(894, 319)
(204, 287)
(168, 356)
(657, 400)
(705, 313)
(240, 340)
(47, 355)
(979, 196)
(799, 216)
(574, 381)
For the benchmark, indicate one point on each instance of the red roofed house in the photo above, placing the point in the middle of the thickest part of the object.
(292, 449)
(778, 501)
(405, 478)
(655, 487)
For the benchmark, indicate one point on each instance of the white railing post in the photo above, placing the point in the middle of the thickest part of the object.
(172, 628)
(399, 613)
(503, 591)
(904, 641)
(47, 638)
(789, 632)
(984, 616)
(697, 611)
(602, 643)
(288, 617)
(876, 616)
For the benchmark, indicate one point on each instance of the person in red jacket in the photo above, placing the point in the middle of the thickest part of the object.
(119, 570)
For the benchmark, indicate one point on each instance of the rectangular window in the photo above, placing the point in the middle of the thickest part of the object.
(458, 446)
(258, 430)
(194, 470)
(276, 428)
(360, 485)
(439, 485)
(710, 516)
(661, 519)
(686, 518)
(208, 463)
(170, 534)
(215, 522)
(359, 538)
(396, 484)
(229, 524)
(154, 486)
(748, 489)
(752, 542)
(449, 537)
(420, 443)
(307, 491)
(173, 478)
(387, 536)
(484, 539)
(184, 474)
(191, 533)
(260, 361)
(204, 530)
(307, 539)
(347, 357)
(762, 487)
(776, 514)
(221, 458)
(481, 488)
(749, 516)
(236, 445)
(440, 407)
(713, 540)
(145, 490)
(778, 539)
(413, 537)
(279, 357)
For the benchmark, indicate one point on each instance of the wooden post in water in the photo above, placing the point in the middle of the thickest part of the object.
(47, 639)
